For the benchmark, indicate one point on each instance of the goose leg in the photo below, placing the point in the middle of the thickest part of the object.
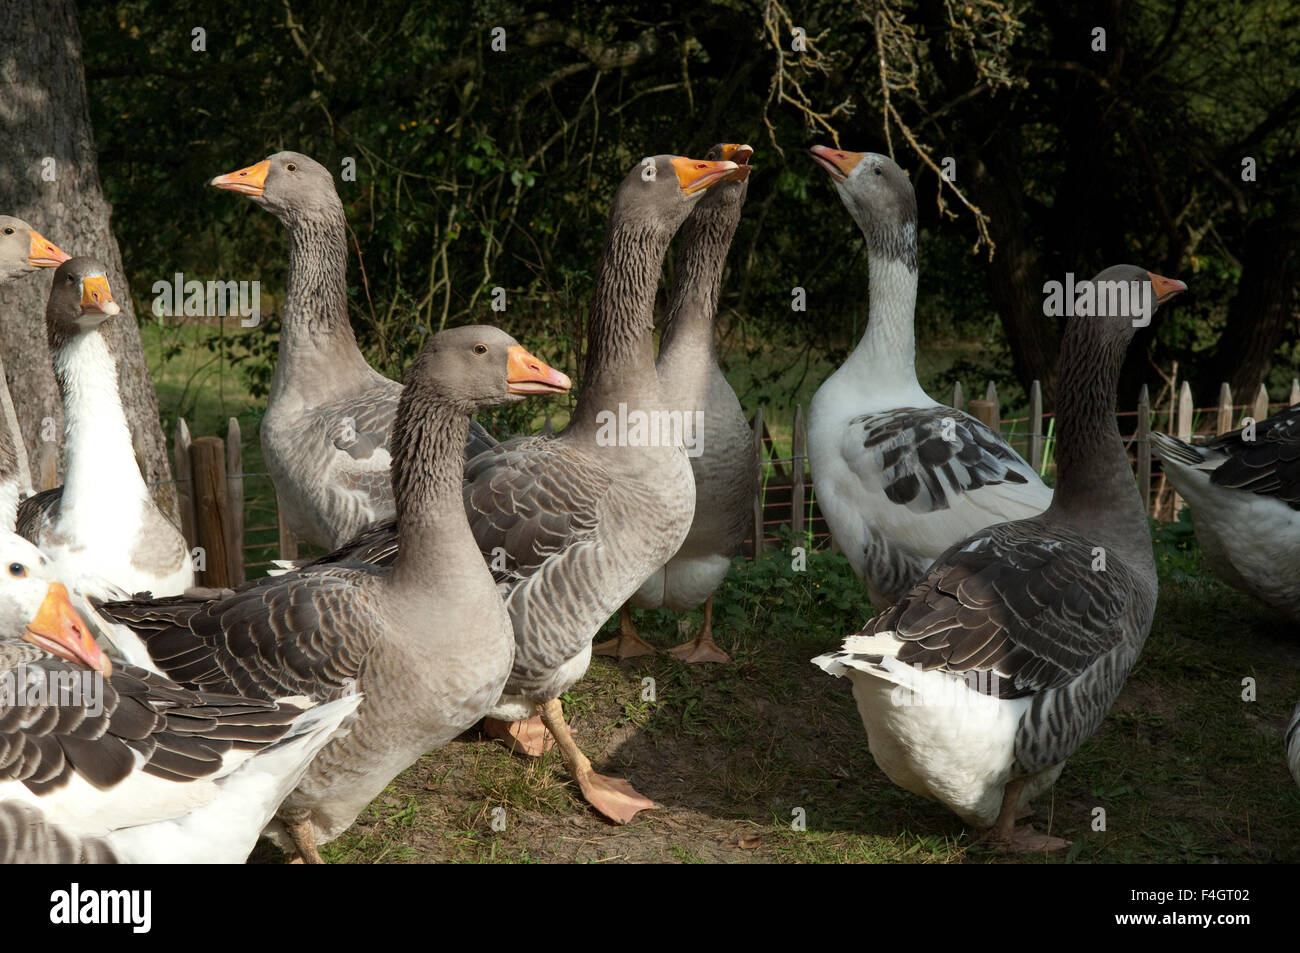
(1004, 833)
(528, 738)
(298, 826)
(613, 797)
(703, 648)
(627, 644)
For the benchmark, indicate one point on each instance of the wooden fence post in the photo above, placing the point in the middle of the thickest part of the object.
(235, 490)
(211, 509)
(957, 396)
(1144, 447)
(184, 480)
(1224, 423)
(47, 465)
(757, 549)
(1259, 409)
(1185, 409)
(1036, 425)
(1295, 392)
(798, 463)
(288, 541)
(986, 410)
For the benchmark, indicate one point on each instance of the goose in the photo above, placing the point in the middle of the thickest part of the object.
(574, 523)
(112, 762)
(102, 522)
(983, 679)
(726, 476)
(900, 477)
(427, 639)
(1243, 488)
(326, 434)
(23, 250)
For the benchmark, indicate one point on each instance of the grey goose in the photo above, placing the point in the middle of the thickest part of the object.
(692, 384)
(898, 476)
(102, 523)
(427, 638)
(23, 250)
(326, 435)
(575, 522)
(112, 762)
(978, 685)
(1243, 488)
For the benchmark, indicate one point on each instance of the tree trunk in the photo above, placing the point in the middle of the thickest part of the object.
(45, 130)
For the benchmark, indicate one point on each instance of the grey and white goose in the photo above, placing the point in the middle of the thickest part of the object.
(574, 523)
(722, 457)
(111, 762)
(23, 250)
(981, 681)
(102, 523)
(1293, 745)
(326, 434)
(427, 639)
(1243, 488)
(900, 477)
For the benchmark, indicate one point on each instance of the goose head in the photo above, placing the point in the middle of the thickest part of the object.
(731, 191)
(878, 195)
(661, 191)
(23, 249)
(80, 300)
(1121, 297)
(289, 185)
(35, 606)
(479, 366)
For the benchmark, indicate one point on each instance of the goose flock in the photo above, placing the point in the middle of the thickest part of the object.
(143, 719)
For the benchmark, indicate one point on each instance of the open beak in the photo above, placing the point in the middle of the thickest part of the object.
(96, 298)
(249, 181)
(835, 161)
(527, 375)
(58, 629)
(738, 153)
(1165, 288)
(43, 253)
(695, 175)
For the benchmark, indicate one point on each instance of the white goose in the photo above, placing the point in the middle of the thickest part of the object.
(102, 523)
(898, 476)
(1243, 488)
(127, 765)
(987, 676)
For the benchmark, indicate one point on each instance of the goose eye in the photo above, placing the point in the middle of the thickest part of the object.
(878, 172)
(9, 231)
(17, 570)
(292, 167)
(71, 279)
(480, 348)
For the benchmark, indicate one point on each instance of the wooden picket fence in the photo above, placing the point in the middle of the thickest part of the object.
(210, 478)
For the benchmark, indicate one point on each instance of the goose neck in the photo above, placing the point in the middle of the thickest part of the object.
(100, 456)
(693, 304)
(886, 353)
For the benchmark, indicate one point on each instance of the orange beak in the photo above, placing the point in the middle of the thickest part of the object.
(59, 630)
(96, 298)
(527, 375)
(1165, 288)
(738, 153)
(43, 253)
(249, 181)
(694, 175)
(835, 161)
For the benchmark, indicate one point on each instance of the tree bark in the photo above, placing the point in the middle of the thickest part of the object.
(44, 116)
